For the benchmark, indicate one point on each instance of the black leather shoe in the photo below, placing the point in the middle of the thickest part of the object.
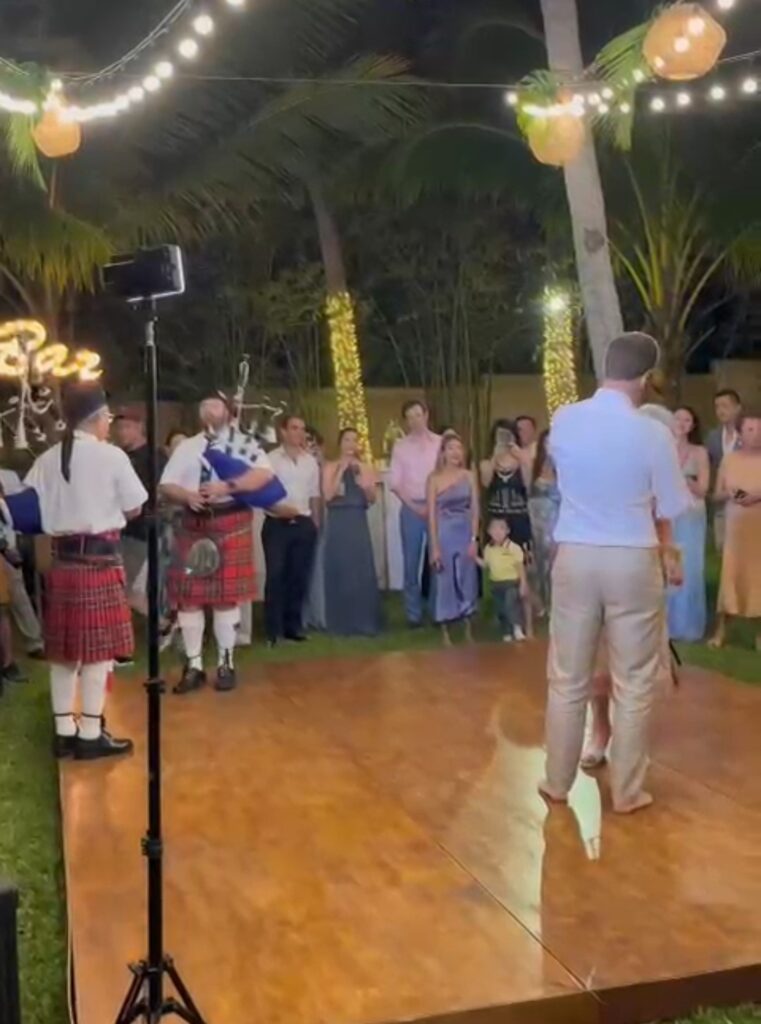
(105, 746)
(296, 638)
(226, 678)
(36, 654)
(192, 679)
(13, 674)
(64, 746)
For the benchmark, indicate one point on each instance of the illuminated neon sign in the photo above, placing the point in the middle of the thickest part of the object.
(25, 351)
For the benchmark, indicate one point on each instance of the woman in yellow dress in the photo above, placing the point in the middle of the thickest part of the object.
(739, 484)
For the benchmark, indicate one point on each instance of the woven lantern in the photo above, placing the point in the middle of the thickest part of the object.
(556, 140)
(55, 137)
(684, 42)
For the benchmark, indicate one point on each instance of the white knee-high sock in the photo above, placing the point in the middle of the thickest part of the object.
(94, 681)
(192, 624)
(63, 693)
(225, 624)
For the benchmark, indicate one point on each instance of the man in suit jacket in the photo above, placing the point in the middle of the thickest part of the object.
(722, 439)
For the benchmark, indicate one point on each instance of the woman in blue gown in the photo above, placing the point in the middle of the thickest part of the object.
(352, 597)
(687, 604)
(453, 529)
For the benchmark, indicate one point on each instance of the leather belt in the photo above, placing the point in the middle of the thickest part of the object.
(71, 549)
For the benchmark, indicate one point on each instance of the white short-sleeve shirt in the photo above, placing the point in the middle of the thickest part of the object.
(103, 486)
(299, 476)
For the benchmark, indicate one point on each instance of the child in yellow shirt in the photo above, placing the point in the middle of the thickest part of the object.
(505, 563)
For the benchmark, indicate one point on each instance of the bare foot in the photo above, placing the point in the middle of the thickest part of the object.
(553, 798)
(446, 639)
(716, 642)
(638, 804)
(468, 632)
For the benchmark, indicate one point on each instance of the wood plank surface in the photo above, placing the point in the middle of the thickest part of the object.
(360, 841)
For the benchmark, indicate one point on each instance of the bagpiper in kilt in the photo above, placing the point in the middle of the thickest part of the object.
(86, 490)
(213, 561)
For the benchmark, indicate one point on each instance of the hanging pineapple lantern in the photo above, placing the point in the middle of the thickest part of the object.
(684, 42)
(55, 136)
(556, 139)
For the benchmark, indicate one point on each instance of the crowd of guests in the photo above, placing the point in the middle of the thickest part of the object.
(459, 525)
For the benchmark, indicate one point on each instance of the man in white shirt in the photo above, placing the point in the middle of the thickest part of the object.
(617, 471)
(87, 491)
(216, 526)
(289, 543)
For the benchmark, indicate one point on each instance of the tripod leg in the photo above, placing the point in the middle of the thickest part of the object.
(190, 1011)
(133, 1007)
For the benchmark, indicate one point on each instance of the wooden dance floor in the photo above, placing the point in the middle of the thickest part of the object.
(360, 842)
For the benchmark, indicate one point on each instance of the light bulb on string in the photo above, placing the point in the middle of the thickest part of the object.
(151, 83)
(625, 108)
(136, 93)
(203, 24)
(603, 109)
(683, 99)
(657, 104)
(639, 75)
(236, 3)
(511, 98)
(725, 5)
(593, 99)
(164, 69)
(607, 93)
(188, 48)
(56, 85)
(750, 86)
(717, 93)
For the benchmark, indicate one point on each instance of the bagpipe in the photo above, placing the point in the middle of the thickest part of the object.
(230, 458)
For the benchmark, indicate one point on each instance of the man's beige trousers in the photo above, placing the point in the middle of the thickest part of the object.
(622, 590)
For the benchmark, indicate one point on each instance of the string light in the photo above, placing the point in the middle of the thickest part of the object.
(151, 83)
(750, 85)
(607, 93)
(725, 5)
(164, 69)
(511, 98)
(558, 357)
(347, 368)
(136, 94)
(203, 24)
(683, 99)
(625, 108)
(188, 48)
(657, 103)
(718, 92)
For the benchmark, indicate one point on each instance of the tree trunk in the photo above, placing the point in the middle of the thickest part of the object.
(339, 312)
(585, 196)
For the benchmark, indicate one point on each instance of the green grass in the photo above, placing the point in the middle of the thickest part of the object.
(30, 847)
(30, 851)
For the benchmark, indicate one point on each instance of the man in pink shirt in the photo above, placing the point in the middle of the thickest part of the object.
(412, 462)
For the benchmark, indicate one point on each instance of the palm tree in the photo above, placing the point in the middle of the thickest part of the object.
(680, 237)
(230, 154)
(584, 190)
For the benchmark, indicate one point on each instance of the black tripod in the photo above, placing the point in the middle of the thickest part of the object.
(145, 997)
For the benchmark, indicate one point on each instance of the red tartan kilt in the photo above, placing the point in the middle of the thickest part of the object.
(234, 583)
(87, 618)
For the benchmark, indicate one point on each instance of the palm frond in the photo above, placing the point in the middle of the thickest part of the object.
(617, 63)
(22, 152)
(465, 158)
(49, 246)
(308, 126)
